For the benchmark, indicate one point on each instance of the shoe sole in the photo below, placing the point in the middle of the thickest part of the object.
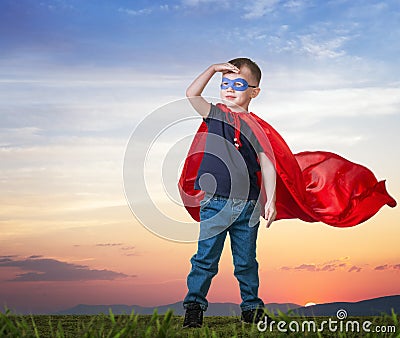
(191, 327)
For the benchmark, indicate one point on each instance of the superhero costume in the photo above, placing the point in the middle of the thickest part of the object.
(315, 186)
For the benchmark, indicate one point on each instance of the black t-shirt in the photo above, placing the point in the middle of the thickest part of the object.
(226, 170)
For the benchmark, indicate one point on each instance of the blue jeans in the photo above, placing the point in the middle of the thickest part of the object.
(219, 216)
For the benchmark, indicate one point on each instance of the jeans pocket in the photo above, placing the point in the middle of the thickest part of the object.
(206, 200)
(253, 202)
(255, 210)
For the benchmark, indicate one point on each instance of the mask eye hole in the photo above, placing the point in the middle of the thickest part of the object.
(238, 84)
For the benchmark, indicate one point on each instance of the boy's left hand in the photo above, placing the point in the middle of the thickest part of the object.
(270, 214)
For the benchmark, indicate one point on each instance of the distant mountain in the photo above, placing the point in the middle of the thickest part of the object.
(370, 307)
(214, 309)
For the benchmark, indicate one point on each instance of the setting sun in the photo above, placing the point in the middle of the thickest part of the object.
(310, 304)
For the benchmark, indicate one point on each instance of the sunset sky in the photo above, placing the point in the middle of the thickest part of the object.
(76, 79)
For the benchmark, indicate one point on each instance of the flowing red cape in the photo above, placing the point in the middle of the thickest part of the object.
(312, 186)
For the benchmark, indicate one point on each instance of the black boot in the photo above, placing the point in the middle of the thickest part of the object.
(193, 315)
(253, 316)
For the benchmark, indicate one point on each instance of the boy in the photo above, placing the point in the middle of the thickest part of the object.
(227, 174)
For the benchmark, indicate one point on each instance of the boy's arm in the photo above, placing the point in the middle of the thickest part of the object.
(194, 91)
(269, 180)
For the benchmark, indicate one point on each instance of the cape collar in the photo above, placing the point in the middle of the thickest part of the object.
(234, 119)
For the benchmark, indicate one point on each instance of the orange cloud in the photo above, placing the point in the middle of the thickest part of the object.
(47, 269)
(355, 269)
(339, 265)
(333, 265)
(388, 267)
(109, 244)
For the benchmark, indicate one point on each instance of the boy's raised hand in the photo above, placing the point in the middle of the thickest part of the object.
(226, 68)
(193, 92)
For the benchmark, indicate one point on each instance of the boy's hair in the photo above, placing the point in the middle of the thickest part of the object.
(254, 69)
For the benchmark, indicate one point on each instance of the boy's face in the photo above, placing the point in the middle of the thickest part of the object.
(239, 98)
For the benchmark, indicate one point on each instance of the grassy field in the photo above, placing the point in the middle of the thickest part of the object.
(169, 325)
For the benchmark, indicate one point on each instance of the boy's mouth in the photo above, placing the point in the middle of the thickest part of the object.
(230, 97)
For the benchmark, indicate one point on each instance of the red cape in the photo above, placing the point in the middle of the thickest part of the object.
(312, 186)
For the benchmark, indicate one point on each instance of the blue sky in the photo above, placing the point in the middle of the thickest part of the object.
(116, 50)
(112, 33)
(76, 77)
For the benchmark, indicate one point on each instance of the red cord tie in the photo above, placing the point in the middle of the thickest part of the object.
(236, 124)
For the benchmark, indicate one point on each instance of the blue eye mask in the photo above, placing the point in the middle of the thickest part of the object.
(238, 84)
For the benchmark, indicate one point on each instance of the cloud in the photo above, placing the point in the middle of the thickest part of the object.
(342, 264)
(381, 267)
(334, 265)
(193, 3)
(326, 138)
(322, 41)
(328, 267)
(259, 8)
(128, 247)
(315, 45)
(355, 269)
(385, 267)
(109, 244)
(57, 5)
(317, 104)
(5, 259)
(306, 267)
(19, 136)
(295, 5)
(143, 11)
(330, 48)
(47, 269)
(129, 251)
(126, 250)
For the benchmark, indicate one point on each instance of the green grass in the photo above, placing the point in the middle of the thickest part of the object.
(169, 325)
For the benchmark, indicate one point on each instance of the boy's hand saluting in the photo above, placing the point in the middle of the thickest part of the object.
(226, 68)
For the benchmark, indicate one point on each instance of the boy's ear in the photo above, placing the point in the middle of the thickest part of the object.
(255, 92)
